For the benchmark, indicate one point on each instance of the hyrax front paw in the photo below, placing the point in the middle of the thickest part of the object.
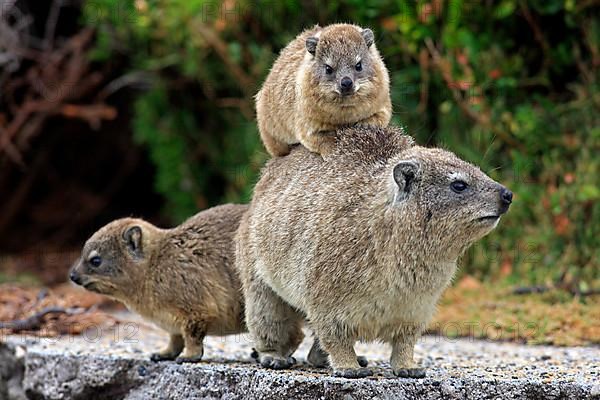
(352, 373)
(320, 142)
(191, 359)
(415, 373)
(362, 361)
(318, 358)
(156, 357)
(326, 144)
(324, 362)
(275, 361)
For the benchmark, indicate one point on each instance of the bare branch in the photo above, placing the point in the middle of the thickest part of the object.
(36, 320)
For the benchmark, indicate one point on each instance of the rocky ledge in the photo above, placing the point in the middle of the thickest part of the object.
(113, 364)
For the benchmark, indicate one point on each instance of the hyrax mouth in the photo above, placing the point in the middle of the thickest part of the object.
(488, 218)
(343, 95)
(91, 286)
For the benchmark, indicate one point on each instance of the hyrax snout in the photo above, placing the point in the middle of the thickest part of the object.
(182, 279)
(361, 244)
(324, 79)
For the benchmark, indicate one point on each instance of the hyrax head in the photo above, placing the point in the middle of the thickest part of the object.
(114, 259)
(451, 202)
(343, 64)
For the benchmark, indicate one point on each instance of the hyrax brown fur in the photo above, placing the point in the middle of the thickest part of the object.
(325, 78)
(361, 244)
(182, 279)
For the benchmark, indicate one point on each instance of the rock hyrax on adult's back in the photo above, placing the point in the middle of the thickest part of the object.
(182, 279)
(325, 78)
(361, 244)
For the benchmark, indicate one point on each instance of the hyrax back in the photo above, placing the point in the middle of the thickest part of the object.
(182, 279)
(361, 243)
(324, 79)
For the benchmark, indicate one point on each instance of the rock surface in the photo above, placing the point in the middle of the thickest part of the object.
(11, 372)
(113, 364)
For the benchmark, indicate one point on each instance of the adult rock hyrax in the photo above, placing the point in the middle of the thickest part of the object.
(182, 279)
(360, 244)
(325, 78)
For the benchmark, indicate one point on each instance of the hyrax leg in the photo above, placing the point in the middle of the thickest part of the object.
(339, 343)
(173, 349)
(402, 362)
(322, 142)
(318, 358)
(274, 146)
(275, 326)
(193, 336)
(380, 118)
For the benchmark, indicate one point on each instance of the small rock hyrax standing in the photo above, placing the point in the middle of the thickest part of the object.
(360, 244)
(325, 78)
(182, 279)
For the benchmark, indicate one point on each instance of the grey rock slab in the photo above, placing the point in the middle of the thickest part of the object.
(114, 364)
(11, 372)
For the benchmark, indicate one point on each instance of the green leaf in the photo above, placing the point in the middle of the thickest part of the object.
(505, 9)
(589, 192)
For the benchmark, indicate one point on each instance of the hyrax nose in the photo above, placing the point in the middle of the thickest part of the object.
(75, 278)
(506, 196)
(505, 199)
(346, 84)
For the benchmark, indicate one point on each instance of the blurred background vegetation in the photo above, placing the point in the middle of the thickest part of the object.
(111, 108)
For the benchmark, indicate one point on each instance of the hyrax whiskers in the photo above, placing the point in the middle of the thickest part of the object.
(182, 279)
(324, 79)
(361, 244)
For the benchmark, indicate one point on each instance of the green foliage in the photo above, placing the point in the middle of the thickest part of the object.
(509, 85)
(204, 152)
(161, 133)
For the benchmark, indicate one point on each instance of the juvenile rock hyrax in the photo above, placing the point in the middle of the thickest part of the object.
(361, 244)
(325, 78)
(182, 279)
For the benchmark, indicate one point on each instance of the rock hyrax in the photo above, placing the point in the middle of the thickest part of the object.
(361, 244)
(182, 279)
(325, 78)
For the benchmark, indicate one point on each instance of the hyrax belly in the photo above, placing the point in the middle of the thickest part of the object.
(380, 317)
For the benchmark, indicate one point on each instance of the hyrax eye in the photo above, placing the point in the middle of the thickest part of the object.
(95, 261)
(458, 186)
(328, 69)
(358, 66)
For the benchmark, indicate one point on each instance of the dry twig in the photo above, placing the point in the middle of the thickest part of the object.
(35, 321)
(55, 80)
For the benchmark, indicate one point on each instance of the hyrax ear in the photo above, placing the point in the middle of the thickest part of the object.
(133, 239)
(311, 44)
(368, 35)
(405, 173)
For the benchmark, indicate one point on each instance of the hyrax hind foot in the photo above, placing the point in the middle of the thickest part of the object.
(193, 352)
(174, 348)
(352, 373)
(157, 357)
(192, 355)
(415, 373)
(193, 336)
